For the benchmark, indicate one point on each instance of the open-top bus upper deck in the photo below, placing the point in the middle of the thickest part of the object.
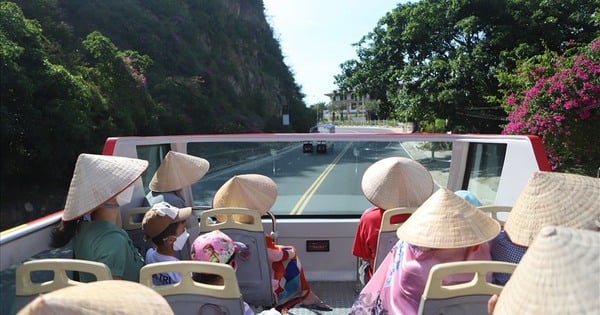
(319, 196)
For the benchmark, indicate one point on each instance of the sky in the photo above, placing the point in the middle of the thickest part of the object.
(316, 36)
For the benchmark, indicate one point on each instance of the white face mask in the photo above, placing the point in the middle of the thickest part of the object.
(125, 196)
(180, 241)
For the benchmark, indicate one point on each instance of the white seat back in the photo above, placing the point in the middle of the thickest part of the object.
(132, 224)
(463, 298)
(54, 274)
(191, 297)
(499, 213)
(387, 233)
(254, 273)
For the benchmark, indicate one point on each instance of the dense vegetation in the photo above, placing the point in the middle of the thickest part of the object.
(467, 63)
(76, 72)
(557, 98)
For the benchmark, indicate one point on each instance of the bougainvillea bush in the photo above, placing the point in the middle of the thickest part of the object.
(556, 98)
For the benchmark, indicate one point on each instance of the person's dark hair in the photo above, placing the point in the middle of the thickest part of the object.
(63, 232)
(210, 278)
(170, 230)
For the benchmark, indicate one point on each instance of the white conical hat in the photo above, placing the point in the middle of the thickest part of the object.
(98, 178)
(552, 198)
(397, 182)
(559, 274)
(445, 220)
(178, 170)
(100, 297)
(252, 191)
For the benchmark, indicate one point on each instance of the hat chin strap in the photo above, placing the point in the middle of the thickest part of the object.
(110, 206)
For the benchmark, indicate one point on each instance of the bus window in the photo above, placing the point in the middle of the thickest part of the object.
(154, 154)
(483, 170)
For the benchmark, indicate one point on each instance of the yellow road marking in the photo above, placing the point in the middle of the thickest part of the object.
(301, 204)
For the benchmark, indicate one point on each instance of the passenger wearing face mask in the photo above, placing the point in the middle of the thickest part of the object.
(176, 173)
(165, 226)
(98, 184)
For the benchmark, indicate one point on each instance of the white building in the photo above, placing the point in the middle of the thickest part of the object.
(347, 106)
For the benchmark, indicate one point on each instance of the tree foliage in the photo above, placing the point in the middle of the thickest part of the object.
(44, 106)
(439, 58)
(557, 98)
(76, 72)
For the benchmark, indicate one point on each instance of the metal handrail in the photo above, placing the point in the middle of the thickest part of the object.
(274, 234)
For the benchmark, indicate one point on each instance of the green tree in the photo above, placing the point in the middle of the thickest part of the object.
(557, 98)
(128, 108)
(43, 109)
(438, 58)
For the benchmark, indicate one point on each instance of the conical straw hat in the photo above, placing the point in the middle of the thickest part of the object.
(559, 274)
(252, 191)
(445, 220)
(98, 178)
(100, 297)
(178, 170)
(397, 182)
(554, 199)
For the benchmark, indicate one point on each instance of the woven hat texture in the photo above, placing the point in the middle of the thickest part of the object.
(109, 297)
(97, 179)
(559, 274)
(161, 215)
(178, 170)
(445, 220)
(552, 198)
(397, 182)
(252, 191)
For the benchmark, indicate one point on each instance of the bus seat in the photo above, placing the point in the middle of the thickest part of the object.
(132, 224)
(45, 275)
(193, 228)
(191, 297)
(499, 213)
(463, 298)
(387, 233)
(253, 273)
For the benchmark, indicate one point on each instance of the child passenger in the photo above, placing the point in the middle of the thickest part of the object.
(177, 171)
(165, 226)
(259, 192)
(217, 247)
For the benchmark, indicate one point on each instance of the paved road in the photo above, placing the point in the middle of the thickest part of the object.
(323, 183)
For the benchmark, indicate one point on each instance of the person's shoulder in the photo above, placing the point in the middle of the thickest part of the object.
(154, 257)
(100, 226)
(372, 212)
(169, 197)
(109, 230)
(372, 215)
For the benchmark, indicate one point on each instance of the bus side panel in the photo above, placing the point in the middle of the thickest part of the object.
(520, 163)
(337, 264)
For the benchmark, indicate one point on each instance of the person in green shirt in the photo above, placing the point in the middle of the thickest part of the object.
(100, 184)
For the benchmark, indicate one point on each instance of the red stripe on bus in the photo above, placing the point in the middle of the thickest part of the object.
(109, 146)
(540, 153)
(46, 217)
